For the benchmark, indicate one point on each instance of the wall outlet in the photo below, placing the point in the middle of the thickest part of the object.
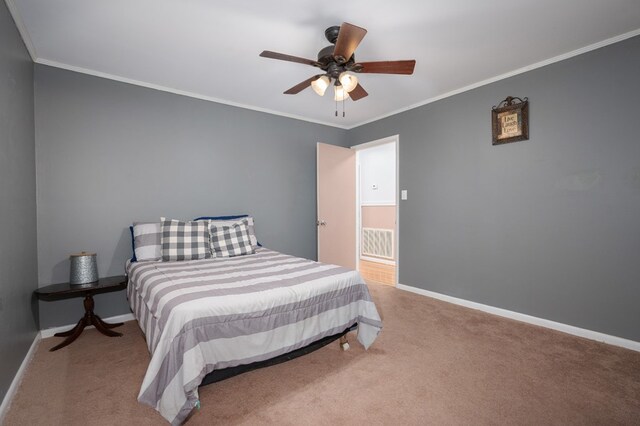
(403, 194)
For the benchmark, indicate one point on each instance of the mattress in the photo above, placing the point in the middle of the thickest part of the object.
(210, 314)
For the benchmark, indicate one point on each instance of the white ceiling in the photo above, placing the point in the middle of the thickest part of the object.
(209, 48)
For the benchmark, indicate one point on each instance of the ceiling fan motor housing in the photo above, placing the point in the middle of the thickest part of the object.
(334, 70)
(331, 33)
(328, 62)
(325, 56)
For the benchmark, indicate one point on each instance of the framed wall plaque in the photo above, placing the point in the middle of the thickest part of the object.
(510, 121)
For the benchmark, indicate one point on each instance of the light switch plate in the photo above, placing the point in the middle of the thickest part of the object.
(403, 194)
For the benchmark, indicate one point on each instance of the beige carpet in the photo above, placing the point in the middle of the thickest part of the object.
(434, 363)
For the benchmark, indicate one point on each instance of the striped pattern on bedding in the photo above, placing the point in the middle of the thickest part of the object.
(210, 314)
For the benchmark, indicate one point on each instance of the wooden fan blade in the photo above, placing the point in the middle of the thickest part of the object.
(387, 67)
(301, 86)
(348, 40)
(358, 93)
(289, 58)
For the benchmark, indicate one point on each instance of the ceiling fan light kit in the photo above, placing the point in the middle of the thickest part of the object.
(320, 85)
(348, 81)
(338, 63)
(340, 93)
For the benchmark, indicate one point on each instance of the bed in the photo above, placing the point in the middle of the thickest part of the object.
(205, 315)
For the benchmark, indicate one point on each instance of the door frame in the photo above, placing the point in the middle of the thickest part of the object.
(396, 242)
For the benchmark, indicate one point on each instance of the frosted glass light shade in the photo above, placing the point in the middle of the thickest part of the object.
(348, 81)
(340, 94)
(319, 85)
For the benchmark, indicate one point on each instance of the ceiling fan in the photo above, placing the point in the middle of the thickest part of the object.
(338, 63)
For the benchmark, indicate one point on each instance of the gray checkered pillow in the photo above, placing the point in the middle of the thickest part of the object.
(230, 239)
(184, 240)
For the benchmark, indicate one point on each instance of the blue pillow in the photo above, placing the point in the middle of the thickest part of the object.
(238, 216)
(133, 246)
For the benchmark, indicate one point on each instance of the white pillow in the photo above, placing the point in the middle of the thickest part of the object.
(146, 241)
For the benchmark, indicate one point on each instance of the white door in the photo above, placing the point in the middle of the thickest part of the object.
(336, 189)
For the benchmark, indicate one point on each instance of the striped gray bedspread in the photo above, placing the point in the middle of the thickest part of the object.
(203, 315)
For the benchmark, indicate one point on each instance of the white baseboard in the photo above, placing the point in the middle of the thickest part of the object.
(48, 332)
(565, 328)
(6, 401)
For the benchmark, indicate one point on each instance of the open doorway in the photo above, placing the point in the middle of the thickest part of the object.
(377, 210)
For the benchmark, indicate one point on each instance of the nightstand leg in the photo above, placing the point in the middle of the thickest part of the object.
(71, 334)
(107, 324)
(93, 319)
(99, 325)
(89, 318)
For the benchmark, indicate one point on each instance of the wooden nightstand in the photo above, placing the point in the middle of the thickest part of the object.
(66, 291)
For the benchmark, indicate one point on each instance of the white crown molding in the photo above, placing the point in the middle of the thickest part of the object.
(17, 379)
(49, 332)
(32, 51)
(472, 86)
(178, 92)
(522, 70)
(22, 29)
(558, 326)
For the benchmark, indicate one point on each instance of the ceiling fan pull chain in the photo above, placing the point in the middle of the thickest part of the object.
(336, 107)
(342, 107)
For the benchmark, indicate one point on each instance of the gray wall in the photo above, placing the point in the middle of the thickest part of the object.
(110, 153)
(548, 227)
(18, 257)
